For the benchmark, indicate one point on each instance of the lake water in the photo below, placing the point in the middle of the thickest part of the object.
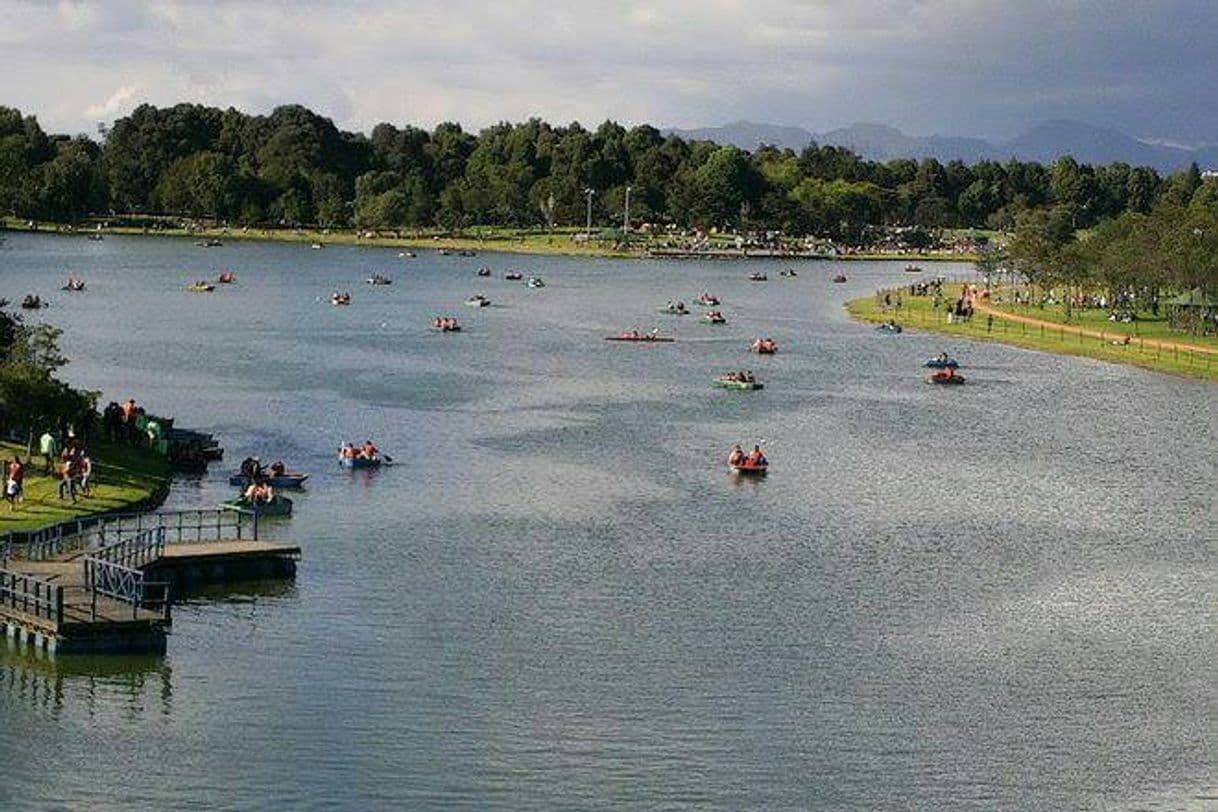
(1000, 595)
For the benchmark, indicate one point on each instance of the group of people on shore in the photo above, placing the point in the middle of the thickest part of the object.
(72, 465)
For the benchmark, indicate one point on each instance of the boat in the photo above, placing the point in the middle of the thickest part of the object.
(359, 462)
(445, 324)
(890, 327)
(940, 363)
(757, 276)
(278, 506)
(535, 282)
(714, 317)
(706, 300)
(484, 272)
(789, 272)
(379, 279)
(477, 301)
(96, 237)
(841, 277)
(945, 377)
(74, 285)
(340, 299)
(317, 246)
(212, 243)
(912, 269)
(764, 346)
(513, 276)
(467, 253)
(747, 468)
(677, 309)
(634, 335)
(407, 255)
(226, 278)
(286, 480)
(201, 287)
(32, 302)
(734, 381)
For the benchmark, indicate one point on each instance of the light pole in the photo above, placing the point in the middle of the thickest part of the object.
(588, 229)
(626, 217)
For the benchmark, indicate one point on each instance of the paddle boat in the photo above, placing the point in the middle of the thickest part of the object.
(941, 362)
(789, 272)
(340, 299)
(764, 346)
(407, 255)
(32, 302)
(513, 276)
(889, 327)
(747, 468)
(284, 480)
(714, 317)
(74, 285)
(634, 335)
(445, 324)
(757, 276)
(535, 282)
(212, 243)
(317, 246)
(912, 269)
(946, 377)
(96, 237)
(477, 300)
(839, 278)
(278, 506)
(467, 253)
(379, 279)
(201, 287)
(677, 309)
(743, 381)
(357, 462)
(484, 271)
(706, 300)
(226, 278)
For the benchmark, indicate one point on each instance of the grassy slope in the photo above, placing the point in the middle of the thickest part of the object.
(916, 312)
(123, 477)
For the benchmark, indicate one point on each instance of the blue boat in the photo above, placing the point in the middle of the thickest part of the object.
(890, 327)
(282, 481)
(360, 462)
(937, 363)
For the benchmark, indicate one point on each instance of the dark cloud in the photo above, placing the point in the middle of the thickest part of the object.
(945, 66)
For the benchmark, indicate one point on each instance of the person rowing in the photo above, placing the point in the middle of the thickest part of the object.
(736, 457)
(757, 458)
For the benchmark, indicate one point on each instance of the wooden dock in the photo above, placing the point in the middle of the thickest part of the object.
(109, 588)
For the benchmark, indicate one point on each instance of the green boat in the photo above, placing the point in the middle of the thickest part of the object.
(728, 383)
(278, 506)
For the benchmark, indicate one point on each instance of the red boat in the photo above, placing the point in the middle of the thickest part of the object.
(747, 468)
(637, 336)
(764, 346)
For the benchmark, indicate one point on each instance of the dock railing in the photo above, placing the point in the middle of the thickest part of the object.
(125, 584)
(31, 596)
(180, 526)
(136, 551)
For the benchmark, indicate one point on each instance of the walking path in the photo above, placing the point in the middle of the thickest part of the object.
(982, 307)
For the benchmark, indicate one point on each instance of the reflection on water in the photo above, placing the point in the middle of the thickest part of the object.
(994, 597)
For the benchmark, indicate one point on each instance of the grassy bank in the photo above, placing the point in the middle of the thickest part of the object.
(560, 242)
(124, 478)
(917, 312)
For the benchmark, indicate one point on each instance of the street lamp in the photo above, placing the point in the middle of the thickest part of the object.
(588, 230)
(626, 217)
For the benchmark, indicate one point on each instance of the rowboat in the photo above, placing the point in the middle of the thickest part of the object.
(201, 287)
(936, 363)
(477, 301)
(360, 462)
(945, 377)
(725, 382)
(706, 300)
(535, 282)
(673, 311)
(276, 481)
(512, 276)
(747, 468)
(764, 346)
(278, 506)
(841, 277)
(714, 318)
(647, 337)
(377, 279)
(757, 276)
(891, 327)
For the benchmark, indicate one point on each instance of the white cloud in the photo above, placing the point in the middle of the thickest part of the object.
(118, 103)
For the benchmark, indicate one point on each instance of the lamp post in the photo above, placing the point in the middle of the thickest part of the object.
(588, 229)
(626, 217)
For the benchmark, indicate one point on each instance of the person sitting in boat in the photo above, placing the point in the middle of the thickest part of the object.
(347, 451)
(942, 358)
(259, 492)
(251, 468)
(369, 451)
(756, 457)
(736, 457)
(278, 468)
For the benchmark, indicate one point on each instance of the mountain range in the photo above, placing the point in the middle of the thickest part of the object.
(1044, 143)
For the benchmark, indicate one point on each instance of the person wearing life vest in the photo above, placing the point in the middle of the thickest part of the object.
(756, 457)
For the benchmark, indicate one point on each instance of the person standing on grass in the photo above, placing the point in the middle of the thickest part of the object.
(67, 481)
(49, 446)
(14, 482)
(86, 470)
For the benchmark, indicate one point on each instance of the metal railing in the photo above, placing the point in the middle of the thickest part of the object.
(124, 584)
(31, 596)
(138, 550)
(180, 526)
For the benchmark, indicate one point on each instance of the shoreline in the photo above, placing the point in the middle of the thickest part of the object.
(915, 313)
(524, 243)
(126, 480)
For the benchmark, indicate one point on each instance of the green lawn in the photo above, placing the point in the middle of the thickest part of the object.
(1146, 326)
(917, 312)
(123, 477)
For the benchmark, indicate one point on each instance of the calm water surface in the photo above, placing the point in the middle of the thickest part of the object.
(998, 596)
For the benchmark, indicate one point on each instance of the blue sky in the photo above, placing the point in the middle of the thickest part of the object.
(953, 67)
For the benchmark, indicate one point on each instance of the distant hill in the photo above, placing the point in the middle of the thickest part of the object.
(1044, 142)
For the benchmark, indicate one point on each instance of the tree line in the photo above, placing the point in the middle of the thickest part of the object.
(295, 167)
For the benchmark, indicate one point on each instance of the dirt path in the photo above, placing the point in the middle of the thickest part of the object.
(982, 307)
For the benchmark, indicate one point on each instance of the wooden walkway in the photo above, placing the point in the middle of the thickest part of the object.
(109, 588)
